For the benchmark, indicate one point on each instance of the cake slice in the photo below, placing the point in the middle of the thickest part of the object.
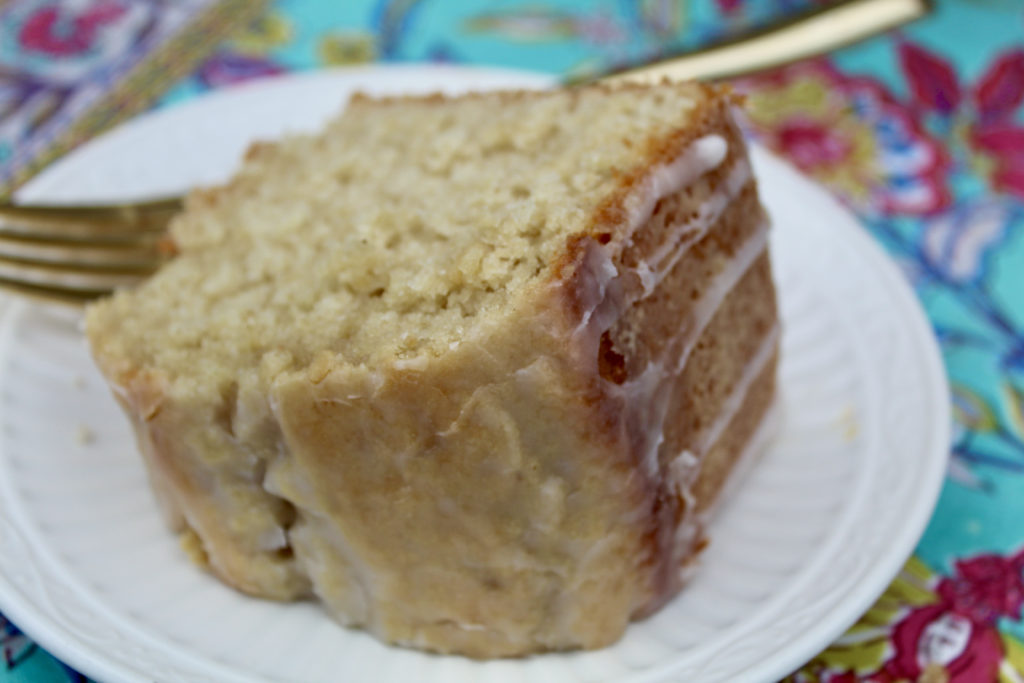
(469, 370)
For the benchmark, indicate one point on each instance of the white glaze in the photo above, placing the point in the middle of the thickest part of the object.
(651, 388)
(599, 271)
(600, 295)
(703, 155)
(692, 525)
(602, 298)
(748, 457)
(684, 468)
(721, 285)
(680, 472)
(682, 236)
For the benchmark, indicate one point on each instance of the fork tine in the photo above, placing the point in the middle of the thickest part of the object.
(70, 277)
(89, 222)
(51, 293)
(74, 254)
(145, 252)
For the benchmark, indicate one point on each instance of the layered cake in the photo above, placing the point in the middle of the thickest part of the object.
(470, 371)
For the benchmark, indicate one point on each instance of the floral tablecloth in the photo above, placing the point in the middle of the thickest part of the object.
(920, 132)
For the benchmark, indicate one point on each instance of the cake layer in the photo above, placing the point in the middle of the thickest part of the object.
(723, 453)
(662, 325)
(437, 367)
(686, 415)
(734, 337)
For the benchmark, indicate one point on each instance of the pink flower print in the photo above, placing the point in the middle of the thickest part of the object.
(934, 635)
(729, 6)
(984, 124)
(809, 144)
(852, 135)
(959, 632)
(932, 79)
(943, 640)
(1003, 145)
(986, 588)
(1001, 89)
(995, 137)
(845, 677)
(60, 33)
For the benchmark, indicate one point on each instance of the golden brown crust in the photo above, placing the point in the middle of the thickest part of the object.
(711, 117)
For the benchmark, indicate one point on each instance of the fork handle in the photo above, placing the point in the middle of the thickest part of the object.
(805, 35)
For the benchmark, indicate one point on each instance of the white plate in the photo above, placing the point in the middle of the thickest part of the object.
(812, 538)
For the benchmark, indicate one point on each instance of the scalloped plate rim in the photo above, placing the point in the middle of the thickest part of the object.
(54, 637)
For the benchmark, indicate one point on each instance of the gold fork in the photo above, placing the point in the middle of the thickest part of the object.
(73, 254)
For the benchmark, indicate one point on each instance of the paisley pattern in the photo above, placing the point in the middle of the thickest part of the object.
(71, 68)
(920, 132)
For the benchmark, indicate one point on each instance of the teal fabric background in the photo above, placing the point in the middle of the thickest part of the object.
(920, 132)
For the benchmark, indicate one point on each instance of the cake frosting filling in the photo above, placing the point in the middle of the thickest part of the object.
(700, 156)
(684, 235)
(751, 371)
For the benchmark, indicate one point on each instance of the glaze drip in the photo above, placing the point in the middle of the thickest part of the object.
(642, 400)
